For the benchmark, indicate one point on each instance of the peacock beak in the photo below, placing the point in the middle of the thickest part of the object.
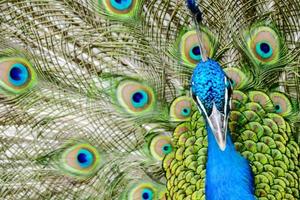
(217, 122)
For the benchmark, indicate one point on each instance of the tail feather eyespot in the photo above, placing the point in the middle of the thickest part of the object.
(135, 97)
(237, 77)
(80, 160)
(122, 9)
(281, 103)
(160, 146)
(189, 47)
(16, 75)
(181, 108)
(264, 45)
(143, 191)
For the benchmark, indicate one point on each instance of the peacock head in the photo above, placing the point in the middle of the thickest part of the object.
(211, 90)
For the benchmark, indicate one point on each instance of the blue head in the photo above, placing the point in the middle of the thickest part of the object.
(211, 90)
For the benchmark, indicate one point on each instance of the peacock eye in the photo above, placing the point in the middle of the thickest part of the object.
(80, 160)
(189, 47)
(194, 53)
(181, 108)
(282, 104)
(264, 45)
(16, 75)
(121, 8)
(147, 194)
(139, 99)
(85, 158)
(143, 191)
(160, 146)
(121, 5)
(264, 49)
(135, 97)
(237, 78)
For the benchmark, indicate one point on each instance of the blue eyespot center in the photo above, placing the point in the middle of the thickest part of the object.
(196, 50)
(195, 53)
(147, 194)
(121, 4)
(18, 74)
(264, 50)
(278, 108)
(15, 73)
(82, 158)
(167, 148)
(265, 47)
(85, 158)
(139, 99)
(186, 112)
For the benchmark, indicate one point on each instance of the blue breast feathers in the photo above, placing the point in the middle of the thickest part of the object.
(228, 174)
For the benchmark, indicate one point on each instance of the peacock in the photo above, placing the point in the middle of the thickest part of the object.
(150, 99)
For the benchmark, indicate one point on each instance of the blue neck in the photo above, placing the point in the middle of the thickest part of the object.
(228, 174)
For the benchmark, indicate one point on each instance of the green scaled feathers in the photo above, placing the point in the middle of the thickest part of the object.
(262, 127)
(185, 166)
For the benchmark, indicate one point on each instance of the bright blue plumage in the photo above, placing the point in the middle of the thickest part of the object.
(228, 174)
(208, 84)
